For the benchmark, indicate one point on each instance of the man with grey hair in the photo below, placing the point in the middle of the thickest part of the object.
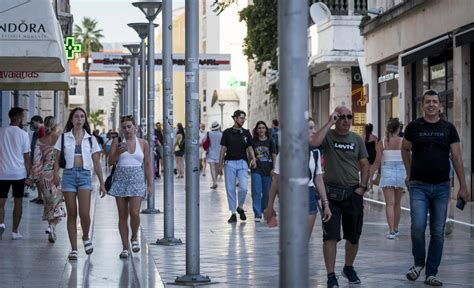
(345, 157)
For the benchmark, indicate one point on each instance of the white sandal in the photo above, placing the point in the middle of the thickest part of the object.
(135, 246)
(124, 254)
(72, 255)
(88, 247)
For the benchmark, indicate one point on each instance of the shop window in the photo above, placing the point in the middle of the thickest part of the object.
(388, 94)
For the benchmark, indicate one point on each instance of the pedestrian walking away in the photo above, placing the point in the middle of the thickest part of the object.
(345, 158)
(202, 152)
(427, 144)
(179, 147)
(389, 161)
(236, 144)
(316, 187)
(15, 167)
(36, 125)
(265, 155)
(43, 175)
(78, 152)
(213, 150)
(131, 156)
(276, 134)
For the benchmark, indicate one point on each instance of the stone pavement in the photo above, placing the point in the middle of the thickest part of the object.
(244, 254)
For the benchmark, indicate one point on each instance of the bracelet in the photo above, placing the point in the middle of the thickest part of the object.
(325, 200)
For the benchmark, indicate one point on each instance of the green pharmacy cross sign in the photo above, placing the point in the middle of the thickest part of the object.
(71, 47)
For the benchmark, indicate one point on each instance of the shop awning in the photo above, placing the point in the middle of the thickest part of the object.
(464, 36)
(431, 48)
(30, 38)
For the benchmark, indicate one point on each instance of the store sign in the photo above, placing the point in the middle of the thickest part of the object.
(72, 48)
(21, 80)
(388, 77)
(112, 61)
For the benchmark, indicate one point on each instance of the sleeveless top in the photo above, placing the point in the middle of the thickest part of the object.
(391, 155)
(371, 150)
(132, 160)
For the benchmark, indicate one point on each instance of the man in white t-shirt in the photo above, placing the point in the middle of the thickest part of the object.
(15, 166)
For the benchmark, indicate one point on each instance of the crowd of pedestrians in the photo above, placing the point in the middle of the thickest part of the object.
(342, 167)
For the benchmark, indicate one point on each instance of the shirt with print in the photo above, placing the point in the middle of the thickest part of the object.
(263, 153)
(342, 154)
(314, 168)
(430, 144)
(236, 141)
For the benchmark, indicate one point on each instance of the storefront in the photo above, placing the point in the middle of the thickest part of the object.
(388, 95)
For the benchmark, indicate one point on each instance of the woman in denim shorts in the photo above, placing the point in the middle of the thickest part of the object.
(81, 154)
(393, 174)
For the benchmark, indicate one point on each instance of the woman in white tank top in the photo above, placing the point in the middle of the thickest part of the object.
(389, 159)
(129, 187)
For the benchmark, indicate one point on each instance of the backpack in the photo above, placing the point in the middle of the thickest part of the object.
(206, 143)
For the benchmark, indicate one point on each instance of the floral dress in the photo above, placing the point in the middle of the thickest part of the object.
(43, 173)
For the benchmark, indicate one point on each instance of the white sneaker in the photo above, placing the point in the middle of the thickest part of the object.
(2, 229)
(258, 219)
(391, 235)
(16, 236)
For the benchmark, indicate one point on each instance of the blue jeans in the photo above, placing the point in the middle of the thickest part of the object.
(260, 190)
(236, 169)
(424, 198)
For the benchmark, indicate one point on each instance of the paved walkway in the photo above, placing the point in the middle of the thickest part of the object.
(232, 255)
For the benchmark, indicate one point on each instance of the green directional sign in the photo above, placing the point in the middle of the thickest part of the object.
(71, 47)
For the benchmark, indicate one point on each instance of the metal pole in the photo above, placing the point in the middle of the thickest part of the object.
(293, 115)
(168, 177)
(135, 85)
(192, 147)
(151, 113)
(143, 87)
(222, 114)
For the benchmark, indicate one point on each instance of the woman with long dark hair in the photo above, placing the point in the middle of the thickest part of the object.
(265, 155)
(81, 153)
(179, 150)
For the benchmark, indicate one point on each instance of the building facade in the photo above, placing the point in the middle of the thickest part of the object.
(414, 45)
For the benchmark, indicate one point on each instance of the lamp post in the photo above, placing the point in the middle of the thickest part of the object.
(128, 60)
(142, 31)
(151, 10)
(125, 74)
(222, 114)
(168, 159)
(135, 51)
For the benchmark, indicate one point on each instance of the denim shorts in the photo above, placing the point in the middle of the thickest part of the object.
(313, 201)
(393, 174)
(76, 179)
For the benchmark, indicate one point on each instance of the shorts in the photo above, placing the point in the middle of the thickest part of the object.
(393, 174)
(18, 188)
(76, 179)
(179, 153)
(351, 213)
(313, 201)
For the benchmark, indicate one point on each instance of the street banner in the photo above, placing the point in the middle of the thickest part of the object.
(112, 61)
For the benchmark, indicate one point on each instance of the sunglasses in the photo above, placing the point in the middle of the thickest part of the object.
(127, 117)
(344, 116)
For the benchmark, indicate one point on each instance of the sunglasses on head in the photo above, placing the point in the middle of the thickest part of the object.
(344, 116)
(127, 117)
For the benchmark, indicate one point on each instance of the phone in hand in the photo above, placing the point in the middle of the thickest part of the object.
(460, 203)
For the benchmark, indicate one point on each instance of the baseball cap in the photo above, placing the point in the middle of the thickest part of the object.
(36, 118)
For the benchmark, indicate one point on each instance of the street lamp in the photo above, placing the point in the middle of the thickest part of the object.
(142, 31)
(124, 74)
(222, 114)
(151, 10)
(135, 51)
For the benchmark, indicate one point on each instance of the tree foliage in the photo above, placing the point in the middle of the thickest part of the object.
(95, 118)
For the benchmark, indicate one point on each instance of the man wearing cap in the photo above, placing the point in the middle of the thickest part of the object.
(236, 144)
(214, 137)
(36, 122)
(15, 166)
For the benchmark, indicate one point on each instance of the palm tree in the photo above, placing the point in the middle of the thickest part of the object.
(95, 118)
(89, 36)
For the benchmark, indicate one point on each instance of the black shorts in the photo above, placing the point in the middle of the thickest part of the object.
(350, 213)
(18, 188)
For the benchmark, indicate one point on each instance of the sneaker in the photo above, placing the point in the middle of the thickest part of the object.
(258, 219)
(214, 186)
(414, 272)
(397, 233)
(449, 227)
(433, 281)
(232, 219)
(2, 229)
(350, 274)
(16, 236)
(391, 235)
(242, 214)
(332, 281)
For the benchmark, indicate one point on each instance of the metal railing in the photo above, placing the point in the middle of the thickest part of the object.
(343, 7)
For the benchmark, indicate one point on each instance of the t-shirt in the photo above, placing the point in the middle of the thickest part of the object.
(275, 134)
(263, 153)
(236, 141)
(14, 143)
(430, 147)
(342, 154)
(314, 168)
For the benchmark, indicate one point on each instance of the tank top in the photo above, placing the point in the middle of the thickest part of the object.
(134, 159)
(391, 155)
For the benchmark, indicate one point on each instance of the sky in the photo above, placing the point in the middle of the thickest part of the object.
(112, 17)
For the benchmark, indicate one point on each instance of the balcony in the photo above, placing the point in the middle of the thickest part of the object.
(345, 7)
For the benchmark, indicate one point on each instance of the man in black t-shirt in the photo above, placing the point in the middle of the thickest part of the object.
(236, 144)
(430, 141)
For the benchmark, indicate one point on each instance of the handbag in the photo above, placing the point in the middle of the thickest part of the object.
(205, 144)
(338, 192)
(62, 159)
(110, 179)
